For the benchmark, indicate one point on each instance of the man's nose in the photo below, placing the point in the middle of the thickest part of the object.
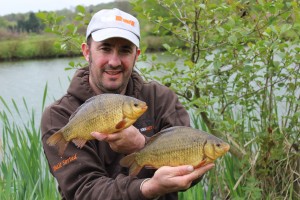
(114, 59)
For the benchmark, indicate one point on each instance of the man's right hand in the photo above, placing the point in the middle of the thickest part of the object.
(172, 179)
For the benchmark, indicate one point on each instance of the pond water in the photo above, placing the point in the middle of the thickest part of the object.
(27, 79)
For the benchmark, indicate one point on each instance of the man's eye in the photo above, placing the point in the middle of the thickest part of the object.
(126, 51)
(106, 49)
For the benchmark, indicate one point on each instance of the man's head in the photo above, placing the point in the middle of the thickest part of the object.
(112, 48)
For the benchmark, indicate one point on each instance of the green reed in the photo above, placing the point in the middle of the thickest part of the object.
(24, 172)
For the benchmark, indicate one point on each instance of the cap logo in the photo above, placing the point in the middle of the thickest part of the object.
(127, 21)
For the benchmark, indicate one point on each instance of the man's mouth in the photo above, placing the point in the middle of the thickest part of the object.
(113, 72)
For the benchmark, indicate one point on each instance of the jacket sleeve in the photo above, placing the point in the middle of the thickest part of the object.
(82, 173)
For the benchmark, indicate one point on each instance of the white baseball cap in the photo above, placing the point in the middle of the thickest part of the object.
(109, 23)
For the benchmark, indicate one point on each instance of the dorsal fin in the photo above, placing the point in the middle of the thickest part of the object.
(81, 106)
(164, 131)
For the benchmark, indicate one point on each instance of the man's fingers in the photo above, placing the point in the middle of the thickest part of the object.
(105, 137)
(99, 136)
(202, 170)
(182, 170)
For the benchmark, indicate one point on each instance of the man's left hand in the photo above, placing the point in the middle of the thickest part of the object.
(125, 141)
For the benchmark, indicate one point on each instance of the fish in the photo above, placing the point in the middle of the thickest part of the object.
(174, 146)
(104, 113)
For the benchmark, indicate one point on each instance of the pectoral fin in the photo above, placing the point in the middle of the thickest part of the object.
(202, 163)
(79, 142)
(121, 124)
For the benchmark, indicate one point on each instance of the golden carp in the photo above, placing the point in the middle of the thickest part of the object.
(105, 113)
(176, 146)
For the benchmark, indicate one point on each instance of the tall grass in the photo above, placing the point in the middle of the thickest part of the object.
(24, 172)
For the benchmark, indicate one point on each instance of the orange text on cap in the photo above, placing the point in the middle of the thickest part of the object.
(127, 21)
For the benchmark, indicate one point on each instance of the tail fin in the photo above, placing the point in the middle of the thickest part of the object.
(57, 139)
(129, 161)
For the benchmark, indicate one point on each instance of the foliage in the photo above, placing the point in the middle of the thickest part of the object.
(239, 72)
(24, 172)
(70, 38)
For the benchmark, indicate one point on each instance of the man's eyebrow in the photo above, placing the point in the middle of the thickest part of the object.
(127, 46)
(105, 44)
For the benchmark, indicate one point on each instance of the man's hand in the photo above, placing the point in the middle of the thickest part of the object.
(125, 141)
(172, 179)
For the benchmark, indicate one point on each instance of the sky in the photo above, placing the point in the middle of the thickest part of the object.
(23, 6)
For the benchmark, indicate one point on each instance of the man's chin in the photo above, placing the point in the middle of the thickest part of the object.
(115, 90)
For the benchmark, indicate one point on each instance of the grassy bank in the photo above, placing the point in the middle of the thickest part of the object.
(33, 47)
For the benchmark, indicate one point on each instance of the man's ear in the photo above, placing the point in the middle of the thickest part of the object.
(138, 52)
(85, 51)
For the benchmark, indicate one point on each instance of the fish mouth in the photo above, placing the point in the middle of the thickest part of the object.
(144, 108)
(226, 147)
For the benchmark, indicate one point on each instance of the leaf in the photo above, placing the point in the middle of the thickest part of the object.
(80, 9)
(203, 6)
(285, 27)
(232, 39)
(44, 96)
(167, 47)
(41, 15)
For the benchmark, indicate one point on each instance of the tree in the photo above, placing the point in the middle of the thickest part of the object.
(33, 24)
(30, 25)
(240, 76)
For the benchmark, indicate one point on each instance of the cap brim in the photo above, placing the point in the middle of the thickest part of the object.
(107, 33)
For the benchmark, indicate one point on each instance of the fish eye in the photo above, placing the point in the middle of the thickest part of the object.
(218, 145)
(135, 104)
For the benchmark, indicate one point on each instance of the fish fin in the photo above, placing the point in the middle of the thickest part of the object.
(202, 163)
(81, 106)
(153, 138)
(135, 169)
(129, 161)
(57, 139)
(79, 142)
(164, 131)
(121, 124)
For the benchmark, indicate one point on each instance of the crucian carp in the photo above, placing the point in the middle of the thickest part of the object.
(176, 146)
(105, 113)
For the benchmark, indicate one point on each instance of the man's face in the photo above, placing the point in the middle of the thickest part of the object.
(111, 64)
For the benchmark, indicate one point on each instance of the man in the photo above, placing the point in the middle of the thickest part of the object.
(93, 172)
